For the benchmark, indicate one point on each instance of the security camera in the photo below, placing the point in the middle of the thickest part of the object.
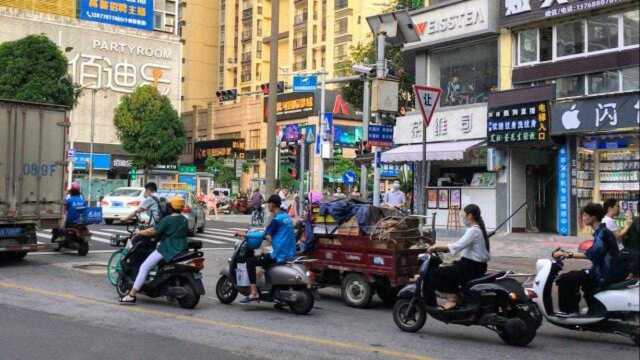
(362, 69)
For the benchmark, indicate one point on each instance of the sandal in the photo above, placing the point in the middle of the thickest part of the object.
(128, 300)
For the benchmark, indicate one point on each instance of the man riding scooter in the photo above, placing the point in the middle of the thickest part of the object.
(172, 232)
(603, 254)
(150, 205)
(282, 236)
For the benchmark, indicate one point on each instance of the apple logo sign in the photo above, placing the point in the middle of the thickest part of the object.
(570, 119)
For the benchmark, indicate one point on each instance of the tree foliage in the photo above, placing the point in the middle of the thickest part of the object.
(222, 175)
(366, 53)
(149, 128)
(34, 69)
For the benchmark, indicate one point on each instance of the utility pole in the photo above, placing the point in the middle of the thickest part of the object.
(380, 74)
(366, 112)
(273, 99)
(323, 94)
(303, 146)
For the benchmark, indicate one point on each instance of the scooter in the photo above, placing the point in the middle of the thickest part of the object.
(615, 309)
(74, 237)
(494, 301)
(179, 279)
(288, 284)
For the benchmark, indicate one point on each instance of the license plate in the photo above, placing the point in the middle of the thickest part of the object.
(10, 232)
(117, 204)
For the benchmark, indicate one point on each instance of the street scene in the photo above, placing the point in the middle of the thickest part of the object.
(306, 179)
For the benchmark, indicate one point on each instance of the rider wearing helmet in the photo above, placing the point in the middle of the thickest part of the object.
(172, 234)
(73, 205)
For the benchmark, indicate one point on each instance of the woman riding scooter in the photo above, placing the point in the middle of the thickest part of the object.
(474, 247)
(172, 232)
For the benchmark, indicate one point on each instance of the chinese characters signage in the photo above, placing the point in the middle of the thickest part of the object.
(293, 106)
(517, 12)
(226, 148)
(130, 13)
(519, 124)
(596, 115)
(562, 169)
(381, 135)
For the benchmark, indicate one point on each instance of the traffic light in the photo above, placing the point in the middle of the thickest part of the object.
(227, 95)
(265, 88)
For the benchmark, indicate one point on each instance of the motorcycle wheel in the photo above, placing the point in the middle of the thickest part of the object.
(356, 291)
(122, 286)
(83, 248)
(191, 299)
(518, 331)
(226, 290)
(304, 304)
(409, 322)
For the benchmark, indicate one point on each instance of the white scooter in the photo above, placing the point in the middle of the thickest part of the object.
(615, 309)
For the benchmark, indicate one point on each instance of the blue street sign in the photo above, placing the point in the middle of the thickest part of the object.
(349, 177)
(305, 82)
(378, 159)
(381, 135)
(318, 146)
(328, 126)
(134, 14)
(71, 153)
(100, 161)
(564, 213)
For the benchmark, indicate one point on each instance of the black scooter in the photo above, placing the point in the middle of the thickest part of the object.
(74, 237)
(494, 301)
(179, 279)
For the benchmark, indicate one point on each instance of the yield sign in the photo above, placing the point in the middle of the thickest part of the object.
(428, 98)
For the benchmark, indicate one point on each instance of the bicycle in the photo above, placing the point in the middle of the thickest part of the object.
(257, 217)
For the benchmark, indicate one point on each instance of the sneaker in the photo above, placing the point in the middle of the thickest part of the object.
(249, 300)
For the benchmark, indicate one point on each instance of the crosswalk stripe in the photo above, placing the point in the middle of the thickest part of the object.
(215, 230)
(217, 237)
(100, 233)
(94, 238)
(207, 240)
(116, 231)
(239, 229)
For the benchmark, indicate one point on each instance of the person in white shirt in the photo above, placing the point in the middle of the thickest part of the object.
(395, 197)
(474, 249)
(612, 210)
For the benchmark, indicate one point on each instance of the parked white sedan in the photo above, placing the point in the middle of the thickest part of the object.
(121, 203)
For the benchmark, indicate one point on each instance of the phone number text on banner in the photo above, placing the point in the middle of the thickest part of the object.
(130, 13)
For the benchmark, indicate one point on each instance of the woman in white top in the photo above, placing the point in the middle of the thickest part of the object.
(475, 253)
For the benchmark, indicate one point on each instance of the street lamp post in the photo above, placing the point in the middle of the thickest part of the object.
(93, 125)
(273, 99)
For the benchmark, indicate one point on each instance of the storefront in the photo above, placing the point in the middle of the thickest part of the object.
(457, 52)
(232, 154)
(518, 133)
(587, 49)
(601, 137)
(457, 155)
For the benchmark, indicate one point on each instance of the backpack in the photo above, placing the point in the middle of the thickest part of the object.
(163, 209)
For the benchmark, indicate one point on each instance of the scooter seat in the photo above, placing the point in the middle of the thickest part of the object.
(194, 244)
(622, 285)
(485, 279)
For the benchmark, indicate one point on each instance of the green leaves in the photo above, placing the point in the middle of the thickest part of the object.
(34, 69)
(149, 128)
(222, 175)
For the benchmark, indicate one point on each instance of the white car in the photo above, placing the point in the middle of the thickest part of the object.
(121, 203)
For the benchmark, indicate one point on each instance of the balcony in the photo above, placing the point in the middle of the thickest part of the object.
(245, 77)
(247, 14)
(299, 65)
(246, 57)
(246, 35)
(300, 19)
(299, 43)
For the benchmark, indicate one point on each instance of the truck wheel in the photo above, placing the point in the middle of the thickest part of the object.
(356, 291)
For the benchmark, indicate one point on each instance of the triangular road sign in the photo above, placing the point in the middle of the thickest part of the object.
(428, 98)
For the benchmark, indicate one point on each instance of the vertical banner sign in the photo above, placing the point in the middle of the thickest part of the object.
(563, 211)
(135, 14)
(428, 98)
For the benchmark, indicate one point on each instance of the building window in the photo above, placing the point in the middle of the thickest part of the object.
(341, 4)
(570, 38)
(631, 79)
(631, 25)
(342, 26)
(254, 139)
(604, 82)
(610, 32)
(466, 74)
(602, 32)
(340, 52)
(570, 86)
(528, 46)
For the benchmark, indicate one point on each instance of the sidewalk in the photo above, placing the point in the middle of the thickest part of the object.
(529, 245)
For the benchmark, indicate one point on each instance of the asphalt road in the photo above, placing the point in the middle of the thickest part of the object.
(60, 306)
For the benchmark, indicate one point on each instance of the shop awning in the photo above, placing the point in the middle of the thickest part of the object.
(450, 150)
